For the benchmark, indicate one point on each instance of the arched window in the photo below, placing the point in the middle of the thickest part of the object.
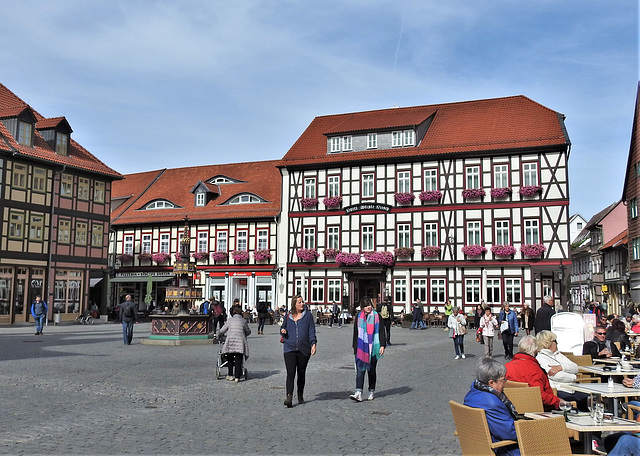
(160, 204)
(245, 198)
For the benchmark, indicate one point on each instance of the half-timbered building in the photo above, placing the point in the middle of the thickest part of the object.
(232, 212)
(463, 201)
(54, 210)
(631, 197)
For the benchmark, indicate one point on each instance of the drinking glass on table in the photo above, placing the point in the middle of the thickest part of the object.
(599, 412)
(591, 405)
(565, 406)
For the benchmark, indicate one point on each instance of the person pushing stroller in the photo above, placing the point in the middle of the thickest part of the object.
(235, 346)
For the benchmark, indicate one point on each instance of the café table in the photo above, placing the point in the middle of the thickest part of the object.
(600, 370)
(614, 360)
(603, 389)
(586, 426)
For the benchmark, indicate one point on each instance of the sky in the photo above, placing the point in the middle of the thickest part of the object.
(150, 84)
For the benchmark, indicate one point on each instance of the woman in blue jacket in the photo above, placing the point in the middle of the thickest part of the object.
(510, 331)
(299, 336)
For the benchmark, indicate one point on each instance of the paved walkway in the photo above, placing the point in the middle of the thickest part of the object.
(80, 390)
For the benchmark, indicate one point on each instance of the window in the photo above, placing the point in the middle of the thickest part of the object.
(579, 224)
(127, 244)
(67, 291)
(502, 232)
(317, 290)
(64, 231)
(200, 199)
(400, 138)
(372, 141)
(81, 233)
(529, 174)
(635, 244)
(333, 186)
(19, 179)
(473, 233)
(165, 242)
(633, 210)
(62, 140)
(367, 243)
(419, 290)
(404, 182)
(493, 292)
(16, 225)
(25, 133)
(36, 225)
(39, 182)
(97, 238)
(163, 204)
(98, 192)
(246, 198)
(513, 290)
(473, 177)
(500, 176)
(430, 180)
(431, 234)
(263, 239)
(66, 185)
(310, 187)
(400, 290)
(221, 241)
(309, 241)
(334, 144)
(368, 186)
(404, 235)
(203, 241)
(409, 138)
(145, 243)
(472, 287)
(346, 143)
(438, 291)
(396, 139)
(333, 291)
(242, 238)
(531, 232)
(83, 188)
(333, 237)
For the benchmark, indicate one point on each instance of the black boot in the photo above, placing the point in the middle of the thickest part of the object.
(300, 398)
(289, 401)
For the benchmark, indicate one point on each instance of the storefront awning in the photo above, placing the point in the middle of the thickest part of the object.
(94, 282)
(140, 279)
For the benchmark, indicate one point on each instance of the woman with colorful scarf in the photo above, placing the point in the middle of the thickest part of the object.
(368, 347)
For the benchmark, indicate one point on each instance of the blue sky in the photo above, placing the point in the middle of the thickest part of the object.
(148, 84)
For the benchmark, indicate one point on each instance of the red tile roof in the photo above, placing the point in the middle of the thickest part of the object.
(175, 185)
(472, 126)
(78, 157)
(618, 240)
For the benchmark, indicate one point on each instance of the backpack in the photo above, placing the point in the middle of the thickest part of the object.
(384, 312)
(128, 311)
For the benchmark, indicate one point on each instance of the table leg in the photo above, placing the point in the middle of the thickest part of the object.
(586, 443)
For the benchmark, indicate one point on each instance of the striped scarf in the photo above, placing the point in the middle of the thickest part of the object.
(368, 339)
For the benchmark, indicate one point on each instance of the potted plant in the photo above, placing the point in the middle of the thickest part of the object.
(332, 201)
(145, 256)
(348, 259)
(383, 258)
(262, 255)
(532, 250)
(309, 202)
(199, 256)
(160, 257)
(330, 253)
(503, 250)
(404, 252)
(471, 193)
(500, 192)
(474, 250)
(404, 197)
(530, 190)
(125, 258)
(240, 255)
(220, 256)
(433, 195)
(431, 251)
(307, 254)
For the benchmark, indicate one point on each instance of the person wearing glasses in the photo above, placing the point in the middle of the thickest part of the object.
(486, 393)
(600, 348)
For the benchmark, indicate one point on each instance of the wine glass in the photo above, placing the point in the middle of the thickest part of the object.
(565, 406)
(591, 405)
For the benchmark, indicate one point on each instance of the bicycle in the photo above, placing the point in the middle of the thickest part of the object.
(84, 319)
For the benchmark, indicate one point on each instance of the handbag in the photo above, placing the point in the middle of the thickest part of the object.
(504, 326)
(462, 330)
(284, 325)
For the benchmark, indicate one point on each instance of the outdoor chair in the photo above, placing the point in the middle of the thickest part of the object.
(545, 437)
(514, 384)
(473, 431)
(580, 360)
(526, 399)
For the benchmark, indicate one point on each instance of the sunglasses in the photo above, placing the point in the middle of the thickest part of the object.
(601, 334)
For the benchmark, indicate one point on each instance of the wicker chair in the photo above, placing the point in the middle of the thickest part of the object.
(514, 384)
(630, 410)
(473, 431)
(580, 360)
(547, 437)
(526, 399)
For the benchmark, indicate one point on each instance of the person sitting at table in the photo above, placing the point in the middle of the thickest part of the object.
(598, 348)
(617, 334)
(560, 369)
(524, 367)
(435, 311)
(635, 323)
(486, 393)
(622, 444)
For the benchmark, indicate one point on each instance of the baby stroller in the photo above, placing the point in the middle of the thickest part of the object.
(222, 362)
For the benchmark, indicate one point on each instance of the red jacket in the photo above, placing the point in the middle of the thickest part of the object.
(525, 368)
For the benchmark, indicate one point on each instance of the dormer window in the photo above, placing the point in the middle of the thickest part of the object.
(160, 204)
(335, 145)
(200, 199)
(25, 133)
(346, 143)
(245, 198)
(223, 180)
(62, 141)
(403, 138)
(372, 141)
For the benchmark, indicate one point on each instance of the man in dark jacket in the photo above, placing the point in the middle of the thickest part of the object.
(597, 347)
(128, 316)
(385, 309)
(544, 314)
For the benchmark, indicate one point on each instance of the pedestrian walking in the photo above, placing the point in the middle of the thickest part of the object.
(128, 316)
(508, 322)
(39, 311)
(263, 313)
(418, 316)
(457, 324)
(385, 310)
(528, 318)
(488, 325)
(368, 346)
(218, 314)
(299, 338)
(335, 315)
(235, 346)
(544, 314)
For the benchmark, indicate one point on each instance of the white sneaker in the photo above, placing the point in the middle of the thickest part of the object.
(357, 396)
(457, 357)
(370, 398)
(463, 357)
(230, 378)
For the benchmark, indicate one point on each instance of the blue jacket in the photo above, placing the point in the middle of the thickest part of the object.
(512, 318)
(500, 421)
(38, 309)
(301, 334)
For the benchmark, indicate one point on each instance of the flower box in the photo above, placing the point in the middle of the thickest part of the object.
(307, 254)
(474, 250)
(404, 197)
(262, 255)
(530, 190)
(309, 202)
(160, 257)
(348, 259)
(501, 192)
(383, 258)
(532, 250)
(434, 195)
(145, 256)
(431, 251)
(503, 250)
(331, 202)
(199, 256)
(125, 258)
(330, 253)
(220, 256)
(470, 193)
(240, 255)
(404, 252)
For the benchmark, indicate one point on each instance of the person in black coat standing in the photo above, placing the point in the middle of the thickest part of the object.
(544, 314)
(385, 310)
(128, 316)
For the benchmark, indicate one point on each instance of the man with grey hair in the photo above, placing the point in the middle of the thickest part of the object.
(543, 315)
(486, 393)
(524, 367)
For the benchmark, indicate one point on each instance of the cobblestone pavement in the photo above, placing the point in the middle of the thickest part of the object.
(80, 390)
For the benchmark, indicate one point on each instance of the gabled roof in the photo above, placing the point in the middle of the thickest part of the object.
(472, 126)
(176, 185)
(617, 241)
(54, 122)
(78, 157)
